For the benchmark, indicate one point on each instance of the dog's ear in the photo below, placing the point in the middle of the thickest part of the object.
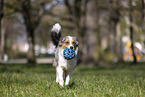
(76, 41)
(62, 40)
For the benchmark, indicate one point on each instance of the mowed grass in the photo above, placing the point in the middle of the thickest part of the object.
(39, 81)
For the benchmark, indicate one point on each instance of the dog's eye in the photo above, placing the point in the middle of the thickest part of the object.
(67, 42)
(74, 43)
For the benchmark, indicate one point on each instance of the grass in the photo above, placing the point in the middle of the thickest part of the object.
(39, 81)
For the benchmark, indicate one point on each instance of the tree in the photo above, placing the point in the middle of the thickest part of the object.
(83, 35)
(115, 35)
(131, 30)
(91, 30)
(74, 10)
(83, 14)
(32, 15)
(143, 19)
(2, 39)
(1, 16)
(30, 27)
(77, 12)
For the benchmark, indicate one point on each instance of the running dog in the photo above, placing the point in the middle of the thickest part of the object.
(64, 67)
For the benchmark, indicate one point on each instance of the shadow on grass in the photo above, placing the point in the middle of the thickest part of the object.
(72, 85)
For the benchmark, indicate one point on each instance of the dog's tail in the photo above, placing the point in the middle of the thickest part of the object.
(56, 34)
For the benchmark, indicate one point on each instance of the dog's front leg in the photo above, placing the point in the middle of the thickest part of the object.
(60, 76)
(69, 74)
(67, 79)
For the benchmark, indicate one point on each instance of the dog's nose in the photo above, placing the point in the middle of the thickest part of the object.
(71, 47)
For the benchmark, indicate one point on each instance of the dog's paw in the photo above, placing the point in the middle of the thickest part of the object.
(61, 83)
(57, 81)
(66, 84)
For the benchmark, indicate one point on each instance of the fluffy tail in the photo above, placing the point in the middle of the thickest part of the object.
(56, 34)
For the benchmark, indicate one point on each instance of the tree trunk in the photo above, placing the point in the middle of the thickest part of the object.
(115, 37)
(103, 33)
(143, 20)
(82, 35)
(91, 34)
(77, 16)
(118, 42)
(2, 40)
(1, 16)
(74, 10)
(31, 52)
(0, 43)
(131, 31)
(30, 28)
(112, 24)
(112, 38)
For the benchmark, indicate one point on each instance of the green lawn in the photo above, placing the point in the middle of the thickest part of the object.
(22, 81)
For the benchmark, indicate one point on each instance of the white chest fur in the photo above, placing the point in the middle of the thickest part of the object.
(64, 63)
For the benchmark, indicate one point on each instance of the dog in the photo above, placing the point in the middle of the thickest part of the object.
(64, 67)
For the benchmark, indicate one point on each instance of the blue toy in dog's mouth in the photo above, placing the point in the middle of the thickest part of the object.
(68, 53)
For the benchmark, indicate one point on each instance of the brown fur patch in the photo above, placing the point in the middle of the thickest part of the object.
(65, 45)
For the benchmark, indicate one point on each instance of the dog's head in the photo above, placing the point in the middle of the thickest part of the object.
(69, 42)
